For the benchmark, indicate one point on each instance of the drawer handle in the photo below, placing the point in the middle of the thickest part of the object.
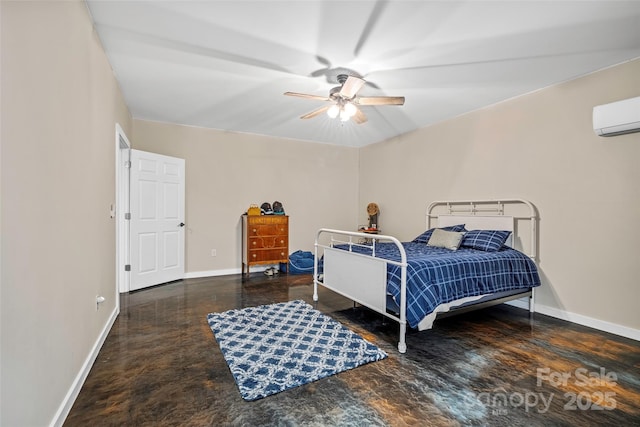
(281, 253)
(254, 255)
(254, 243)
(254, 230)
(282, 242)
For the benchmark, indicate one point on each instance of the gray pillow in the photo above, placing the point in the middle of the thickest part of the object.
(445, 239)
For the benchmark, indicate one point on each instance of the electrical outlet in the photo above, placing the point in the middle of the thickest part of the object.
(214, 252)
(99, 300)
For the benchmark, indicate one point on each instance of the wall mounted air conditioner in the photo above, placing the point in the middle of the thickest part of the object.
(617, 118)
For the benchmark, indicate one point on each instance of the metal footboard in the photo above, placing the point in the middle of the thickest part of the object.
(360, 277)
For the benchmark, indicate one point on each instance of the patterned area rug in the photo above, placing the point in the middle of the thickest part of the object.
(272, 348)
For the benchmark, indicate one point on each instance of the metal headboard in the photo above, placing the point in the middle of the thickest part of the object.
(489, 207)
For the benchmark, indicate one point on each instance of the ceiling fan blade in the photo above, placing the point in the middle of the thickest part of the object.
(372, 21)
(351, 87)
(306, 95)
(316, 112)
(359, 117)
(380, 100)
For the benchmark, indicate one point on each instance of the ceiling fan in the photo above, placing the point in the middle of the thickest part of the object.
(345, 101)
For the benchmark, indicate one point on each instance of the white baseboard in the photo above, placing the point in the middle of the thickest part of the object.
(223, 272)
(74, 390)
(211, 273)
(601, 325)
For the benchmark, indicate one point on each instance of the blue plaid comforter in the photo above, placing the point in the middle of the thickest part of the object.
(436, 275)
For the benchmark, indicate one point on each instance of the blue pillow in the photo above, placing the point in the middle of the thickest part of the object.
(424, 237)
(485, 240)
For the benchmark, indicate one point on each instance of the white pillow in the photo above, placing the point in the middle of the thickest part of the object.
(445, 239)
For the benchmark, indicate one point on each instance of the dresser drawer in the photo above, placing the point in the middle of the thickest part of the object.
(267, 230)
(270, 255)
(267, 220)
(268, 242)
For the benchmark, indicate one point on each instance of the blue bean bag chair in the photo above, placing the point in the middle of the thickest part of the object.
(301, 262)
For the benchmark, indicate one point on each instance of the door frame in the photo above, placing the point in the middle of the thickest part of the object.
(123, 153)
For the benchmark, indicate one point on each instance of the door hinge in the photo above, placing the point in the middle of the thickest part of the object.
(127, 164)
(127, 215)
(127, 267)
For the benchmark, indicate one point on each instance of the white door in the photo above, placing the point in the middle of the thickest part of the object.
(157, 219)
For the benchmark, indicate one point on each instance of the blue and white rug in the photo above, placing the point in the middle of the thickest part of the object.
(272, 348)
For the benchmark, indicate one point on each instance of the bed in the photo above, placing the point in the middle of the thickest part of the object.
(417, 281)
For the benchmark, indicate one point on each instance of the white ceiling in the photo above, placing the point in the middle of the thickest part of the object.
(226, 64)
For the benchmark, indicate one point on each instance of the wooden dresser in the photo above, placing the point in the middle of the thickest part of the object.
(265, 240)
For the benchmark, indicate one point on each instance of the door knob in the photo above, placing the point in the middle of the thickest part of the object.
(181, 224)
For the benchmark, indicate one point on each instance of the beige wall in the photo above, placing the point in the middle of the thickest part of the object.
(60, 103)
(226, 172)
(539, 147)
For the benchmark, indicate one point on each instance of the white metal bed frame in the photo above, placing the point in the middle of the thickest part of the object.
(363, 278)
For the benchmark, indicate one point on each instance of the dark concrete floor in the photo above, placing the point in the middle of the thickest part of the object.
(161, 365)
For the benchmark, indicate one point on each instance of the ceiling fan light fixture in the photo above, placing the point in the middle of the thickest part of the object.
(350, 109)
(345, 101)
(333, 111)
